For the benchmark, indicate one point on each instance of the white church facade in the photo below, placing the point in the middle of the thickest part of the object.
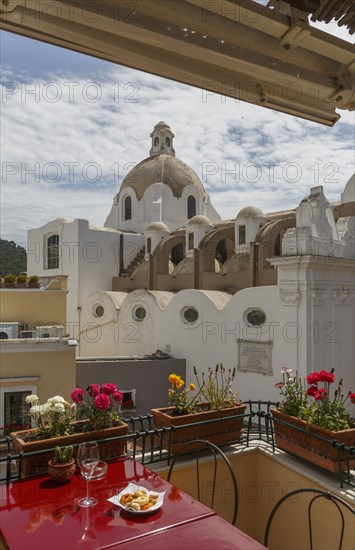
(165, 272)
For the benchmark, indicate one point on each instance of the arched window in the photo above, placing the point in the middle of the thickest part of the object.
(191, 207)
(128, 208)
(221, 251)
(53, 252)
(177, 254)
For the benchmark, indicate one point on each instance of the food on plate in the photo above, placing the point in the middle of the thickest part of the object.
(139, 500)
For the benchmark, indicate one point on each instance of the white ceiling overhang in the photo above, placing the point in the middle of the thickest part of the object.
(232, 47)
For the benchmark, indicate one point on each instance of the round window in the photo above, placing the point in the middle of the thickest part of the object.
(139, 313)
(256, 317)
(156, 141)
(189, 315)
(99, 311)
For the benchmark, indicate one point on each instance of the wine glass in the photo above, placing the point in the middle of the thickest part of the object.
(88, 459)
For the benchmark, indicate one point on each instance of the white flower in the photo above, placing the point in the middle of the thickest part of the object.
(59, 407)
(32, 399)
(56, 399)
(286, 370)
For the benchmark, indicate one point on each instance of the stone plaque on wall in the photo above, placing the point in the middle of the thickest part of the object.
(255, 357)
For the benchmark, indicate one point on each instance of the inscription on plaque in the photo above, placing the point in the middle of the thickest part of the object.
(255, 357)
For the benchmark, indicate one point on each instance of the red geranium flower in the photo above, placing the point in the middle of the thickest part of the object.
(117, 396)
(102, 402)
(94, 389)
(77, 395)
(326, 376)
(313, 378)
(352, 397)
(320, 394)
(312, 390)
(109, 388)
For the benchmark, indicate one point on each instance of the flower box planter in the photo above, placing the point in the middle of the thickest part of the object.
(38, 464)
(309, 448)
(221, 432)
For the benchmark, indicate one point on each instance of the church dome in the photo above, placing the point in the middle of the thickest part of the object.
(250, 212)
(161, 167)
(200, 220)
(157, 226)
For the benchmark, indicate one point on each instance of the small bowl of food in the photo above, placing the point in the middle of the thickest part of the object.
(138, 500)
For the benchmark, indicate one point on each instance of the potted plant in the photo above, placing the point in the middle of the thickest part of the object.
(9, 280)
(21, 281)
(98, 418)
(62, 466)
(312, 411)
(214, 400)
(33, 281)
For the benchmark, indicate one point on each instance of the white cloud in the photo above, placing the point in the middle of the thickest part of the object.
(252, 155)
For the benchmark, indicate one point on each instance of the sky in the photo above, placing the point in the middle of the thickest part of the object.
(73, 126)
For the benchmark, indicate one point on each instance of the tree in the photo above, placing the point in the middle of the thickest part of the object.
(12, 258)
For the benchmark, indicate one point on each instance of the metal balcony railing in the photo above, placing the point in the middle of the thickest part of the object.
(148, 444)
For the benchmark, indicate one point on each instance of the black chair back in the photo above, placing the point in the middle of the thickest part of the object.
(200, 449)
(339, 505)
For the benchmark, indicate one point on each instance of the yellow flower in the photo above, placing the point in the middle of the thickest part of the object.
(179, 383)
(192, 387)
(173, 378)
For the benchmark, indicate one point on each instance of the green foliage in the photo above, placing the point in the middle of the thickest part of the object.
(63, 454)
(316, 405)
(9, 278)
(22, 279)
(33, 279)
(12, 258)
(216, 387)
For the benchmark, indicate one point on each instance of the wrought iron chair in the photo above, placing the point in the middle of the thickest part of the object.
(318, 494)
(201, 449)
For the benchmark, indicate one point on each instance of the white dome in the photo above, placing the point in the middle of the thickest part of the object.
(157, 226)
(348, 194)
(200, 220)
(250, 212)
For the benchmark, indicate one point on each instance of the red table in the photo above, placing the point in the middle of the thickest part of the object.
(209, 532)
(37, 514)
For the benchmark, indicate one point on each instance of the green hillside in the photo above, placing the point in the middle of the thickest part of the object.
(12, 258)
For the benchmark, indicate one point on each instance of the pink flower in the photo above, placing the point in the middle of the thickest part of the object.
(313, 378)
(117, 396)
(94, 389)
(312, 390)
(286, 370)
(279, 385)
(102, 402)
(108, 389)
(77, 395)
(326, 376)
(352, 397)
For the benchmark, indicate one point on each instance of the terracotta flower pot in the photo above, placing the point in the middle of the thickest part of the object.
(61, 472)
(38, 464)
(225, 431)
(304, 445)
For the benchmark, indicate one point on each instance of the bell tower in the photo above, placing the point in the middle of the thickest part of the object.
(162, 140)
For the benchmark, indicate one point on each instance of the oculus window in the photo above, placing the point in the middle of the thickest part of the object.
(189, 314)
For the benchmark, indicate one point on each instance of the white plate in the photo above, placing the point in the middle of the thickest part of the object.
(131, 488)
